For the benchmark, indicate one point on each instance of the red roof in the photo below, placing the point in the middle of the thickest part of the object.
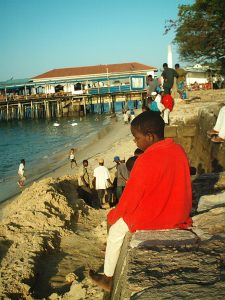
(79, 71)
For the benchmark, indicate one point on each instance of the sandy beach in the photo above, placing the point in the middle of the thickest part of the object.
(47, 232)
(48, 212)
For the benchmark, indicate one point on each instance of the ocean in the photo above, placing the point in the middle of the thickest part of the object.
(43, 145)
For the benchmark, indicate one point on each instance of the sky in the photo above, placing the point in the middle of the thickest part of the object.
(41, 35)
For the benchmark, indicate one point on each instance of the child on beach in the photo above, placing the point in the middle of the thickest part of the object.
(72, 157)
(161, 199)
(21, 171)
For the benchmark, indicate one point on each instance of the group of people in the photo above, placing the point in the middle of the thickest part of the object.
(96, 187)
(159, 96)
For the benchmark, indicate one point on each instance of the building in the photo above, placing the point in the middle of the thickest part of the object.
(100, 79)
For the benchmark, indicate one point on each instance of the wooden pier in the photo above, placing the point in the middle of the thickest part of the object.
(47, 106)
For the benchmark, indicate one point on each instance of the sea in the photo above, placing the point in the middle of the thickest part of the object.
(44, 144)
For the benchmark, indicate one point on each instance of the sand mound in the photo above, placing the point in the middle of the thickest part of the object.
(35, 223)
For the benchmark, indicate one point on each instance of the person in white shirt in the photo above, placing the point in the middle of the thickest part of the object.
(21, 171)
(101, 181)
(219, 129)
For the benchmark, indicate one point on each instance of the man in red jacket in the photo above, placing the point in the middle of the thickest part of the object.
(157, 195)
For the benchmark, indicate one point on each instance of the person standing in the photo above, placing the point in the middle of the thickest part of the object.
(181, 80)
(21, 174)
(72, 157)
(168, 103)
(85, 184)
(152, 85)
(168, 75)
(121, 175)
(101, 181)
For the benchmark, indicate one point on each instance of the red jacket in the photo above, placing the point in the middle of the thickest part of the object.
(167, 101)
(158, 193)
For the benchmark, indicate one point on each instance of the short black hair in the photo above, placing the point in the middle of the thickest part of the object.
(130, 162)
(149, 122)
(138, 151)
(177, 66)
(85, 161)
(165, 65)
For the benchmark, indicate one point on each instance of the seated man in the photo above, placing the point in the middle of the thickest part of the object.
(157, 195)
(219, 128)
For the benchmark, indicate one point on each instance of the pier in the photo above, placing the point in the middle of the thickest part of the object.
(57, 105)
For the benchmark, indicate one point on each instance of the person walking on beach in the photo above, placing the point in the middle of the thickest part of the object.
(101, 181)
(21, 172)
(72, 158)
(161, 199)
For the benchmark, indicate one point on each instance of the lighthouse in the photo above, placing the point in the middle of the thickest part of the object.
(169, 57)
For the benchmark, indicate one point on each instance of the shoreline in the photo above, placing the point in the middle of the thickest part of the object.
(101, 142)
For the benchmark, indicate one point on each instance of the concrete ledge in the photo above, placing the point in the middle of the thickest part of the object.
(160, 258)
(170, 131)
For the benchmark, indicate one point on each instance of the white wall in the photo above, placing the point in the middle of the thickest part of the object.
(200, 77)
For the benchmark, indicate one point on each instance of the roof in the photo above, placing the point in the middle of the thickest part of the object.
(15, 82)
(99, 69)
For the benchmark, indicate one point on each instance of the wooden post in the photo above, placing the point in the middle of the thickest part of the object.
(84, 100)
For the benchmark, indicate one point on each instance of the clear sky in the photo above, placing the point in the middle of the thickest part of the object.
(40, 35)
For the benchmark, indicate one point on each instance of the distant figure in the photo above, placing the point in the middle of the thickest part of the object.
(168, 103)
(152, 85)
(181, 80)
(72, 157)
(168, 75)
(125, 117)
(156, 104)
(122, 176)
(85, 184)
(130, 163)
(101, 181)
(132, 115)
(138, 152)
(21, 172)
(219, 129)
(145, 108)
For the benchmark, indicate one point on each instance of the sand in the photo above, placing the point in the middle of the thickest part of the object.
(48, 234)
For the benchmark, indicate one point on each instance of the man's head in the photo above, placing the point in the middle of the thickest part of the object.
(101, 161)
(153, 95)
(130, 163)
(138, 152)
(116, 159)
(165, 65)
(177, 66)
(150, 77)
(147, 129)
(85, 163)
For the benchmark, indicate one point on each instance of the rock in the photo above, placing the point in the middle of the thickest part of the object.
(210, 201)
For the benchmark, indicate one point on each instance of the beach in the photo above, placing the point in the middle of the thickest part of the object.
(49, 237)
(48, 216)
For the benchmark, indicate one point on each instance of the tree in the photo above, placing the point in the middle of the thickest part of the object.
(200, 31)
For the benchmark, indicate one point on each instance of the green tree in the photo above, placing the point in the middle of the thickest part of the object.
(200, 32)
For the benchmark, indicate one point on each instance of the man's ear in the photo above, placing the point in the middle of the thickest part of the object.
(150, 136)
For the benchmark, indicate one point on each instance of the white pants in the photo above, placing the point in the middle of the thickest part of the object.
(115, 239)
(220, 123)
(166, 113)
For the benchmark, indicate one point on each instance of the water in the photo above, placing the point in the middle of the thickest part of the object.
(43, 145)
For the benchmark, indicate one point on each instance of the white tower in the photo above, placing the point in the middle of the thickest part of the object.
(169, 57)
